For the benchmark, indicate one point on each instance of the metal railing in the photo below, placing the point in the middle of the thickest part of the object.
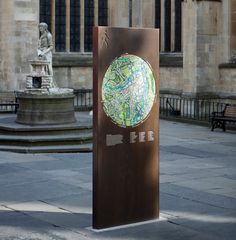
(195, 109)
(83, 99)
(8, 107)
(8, 102)
(170, 107)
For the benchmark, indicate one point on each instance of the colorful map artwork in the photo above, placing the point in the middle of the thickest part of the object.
(128, 90)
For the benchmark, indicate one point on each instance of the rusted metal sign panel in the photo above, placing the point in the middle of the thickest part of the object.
(126, 126)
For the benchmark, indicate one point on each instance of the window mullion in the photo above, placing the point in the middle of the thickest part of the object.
(67, 25)
(96, 12)
(162, 28)
(82, 26)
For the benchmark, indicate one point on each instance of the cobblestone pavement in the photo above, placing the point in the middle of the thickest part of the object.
(48, 196)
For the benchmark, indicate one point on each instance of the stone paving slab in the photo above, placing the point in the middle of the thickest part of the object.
(191, 151)
(217, 200)
(35, 191)
(19, 226)
(49, 196)
(23, 177)
(76, 203)
(220, 227)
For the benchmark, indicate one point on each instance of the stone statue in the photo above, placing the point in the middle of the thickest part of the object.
(45, 46)
(42, 102)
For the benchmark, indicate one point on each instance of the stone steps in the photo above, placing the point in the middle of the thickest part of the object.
(48, 149)
(74, 137)
(9, 127)
(50, 140)
(45, 131)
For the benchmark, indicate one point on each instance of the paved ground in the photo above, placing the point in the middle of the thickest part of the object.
(48, 196)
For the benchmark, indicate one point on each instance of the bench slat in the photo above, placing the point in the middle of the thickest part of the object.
(230, 111)
(219, 119)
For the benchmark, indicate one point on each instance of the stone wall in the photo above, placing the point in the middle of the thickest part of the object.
(226, 86)
(82, 77)
(19, 38)
(171, 79)
(74, 77)
(205, 45)
(208, 42)
(207, 33)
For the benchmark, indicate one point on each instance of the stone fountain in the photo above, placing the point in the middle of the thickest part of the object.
(42, 102)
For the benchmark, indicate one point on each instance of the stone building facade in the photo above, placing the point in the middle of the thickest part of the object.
(198, 41)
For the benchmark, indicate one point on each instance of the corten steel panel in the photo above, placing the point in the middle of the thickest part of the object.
(125, 176)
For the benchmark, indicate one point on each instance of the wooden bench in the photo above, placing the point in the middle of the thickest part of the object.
(219, 119)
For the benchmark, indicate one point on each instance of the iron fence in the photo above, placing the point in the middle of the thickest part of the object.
(195, 109)
(185, 108)
(83, 99)
(8, 102)
(8, 107)
(170, 107)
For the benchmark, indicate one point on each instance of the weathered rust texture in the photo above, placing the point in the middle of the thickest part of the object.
(125, 176)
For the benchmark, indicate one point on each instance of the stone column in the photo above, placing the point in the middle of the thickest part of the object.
(233, 29)
(19, 36)
(137, 16)
(118, 13)
(143, 13)
(7, 59)
(162, 27)
(225, 30)
(202, 45)
(148, 13)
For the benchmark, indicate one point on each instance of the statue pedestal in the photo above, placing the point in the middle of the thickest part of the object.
(41, 103)
(39, 78)
(39, 107)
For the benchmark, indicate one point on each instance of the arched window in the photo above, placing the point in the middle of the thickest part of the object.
(71, 22)
(168, 15)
